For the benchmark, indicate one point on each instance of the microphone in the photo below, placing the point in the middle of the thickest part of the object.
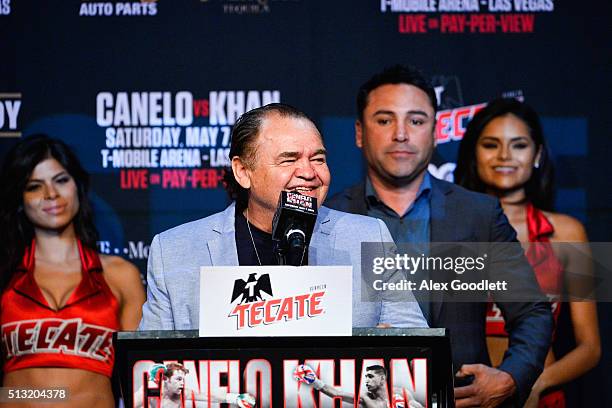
(292, 227)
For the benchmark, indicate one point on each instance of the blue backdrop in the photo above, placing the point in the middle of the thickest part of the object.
(147, 92)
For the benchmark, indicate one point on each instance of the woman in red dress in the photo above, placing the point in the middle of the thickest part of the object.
(61, 300)
(503, 153)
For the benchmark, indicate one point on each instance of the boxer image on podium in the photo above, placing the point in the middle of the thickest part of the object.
(174, 393)
(375, 382)
(274, 148)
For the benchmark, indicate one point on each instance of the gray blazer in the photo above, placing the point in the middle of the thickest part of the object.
(176, 256)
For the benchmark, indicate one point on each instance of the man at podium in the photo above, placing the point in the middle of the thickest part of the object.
(274, 148)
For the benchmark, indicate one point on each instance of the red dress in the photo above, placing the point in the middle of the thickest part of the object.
(79, 335)
(549, 273)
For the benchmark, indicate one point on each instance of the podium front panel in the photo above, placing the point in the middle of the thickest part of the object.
(397, 367)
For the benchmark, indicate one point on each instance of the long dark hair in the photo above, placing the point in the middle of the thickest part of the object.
(17, 230)
(539, 187)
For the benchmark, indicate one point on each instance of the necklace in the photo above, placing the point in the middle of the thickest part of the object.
(255, 246)
(251, 234)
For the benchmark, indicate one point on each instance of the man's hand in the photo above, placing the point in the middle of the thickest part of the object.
(489, 388)
(241, 400)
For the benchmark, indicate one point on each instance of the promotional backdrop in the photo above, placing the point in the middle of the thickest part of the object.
(147, 92)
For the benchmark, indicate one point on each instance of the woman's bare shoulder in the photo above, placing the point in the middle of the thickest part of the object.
(567, 228)
(119, 273)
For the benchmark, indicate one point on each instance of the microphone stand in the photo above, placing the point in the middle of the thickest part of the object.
(280, 253)
(290, 250)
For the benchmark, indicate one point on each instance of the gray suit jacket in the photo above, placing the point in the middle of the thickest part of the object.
(176, 256)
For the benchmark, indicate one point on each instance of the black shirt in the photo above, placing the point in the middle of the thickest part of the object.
(261, 239)
(244, 244)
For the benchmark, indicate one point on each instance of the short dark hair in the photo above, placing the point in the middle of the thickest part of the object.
(243, 145)
(378, 369)
(539, 187)
(171, 368)
(18, 165)
(397, 74)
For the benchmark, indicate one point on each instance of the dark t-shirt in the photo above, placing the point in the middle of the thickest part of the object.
(244, 244)
(261, 239)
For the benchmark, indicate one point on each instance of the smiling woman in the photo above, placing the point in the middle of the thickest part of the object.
(49, 265)
(504, 153)
(50, 199)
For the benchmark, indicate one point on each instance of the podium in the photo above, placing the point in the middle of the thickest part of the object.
(415, 365)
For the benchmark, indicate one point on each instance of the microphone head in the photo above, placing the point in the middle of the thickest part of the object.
(295, 211)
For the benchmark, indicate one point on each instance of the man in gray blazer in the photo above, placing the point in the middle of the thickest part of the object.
(274, 148)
